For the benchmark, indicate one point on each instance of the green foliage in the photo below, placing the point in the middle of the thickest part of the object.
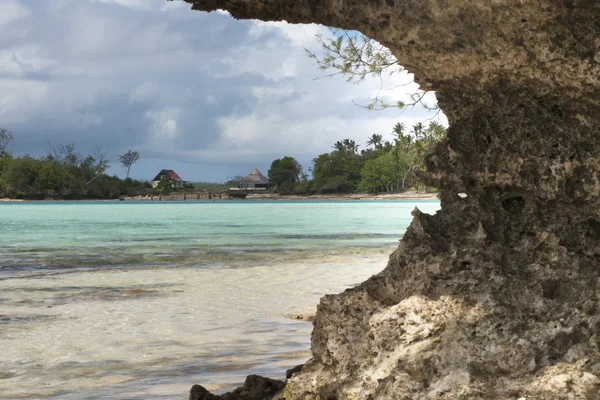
(188, 187)
(382, 166)
(209, 186)
(338, 171)
(128, 159)
(63, 174)
(355, 57)
(235, 182)
(376, 141)
(286, 173)
(304, 188)
(379, 174)
(337, 184)
(165, 186)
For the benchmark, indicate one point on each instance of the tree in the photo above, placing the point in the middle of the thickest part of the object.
(379, 174)
(95, 164)
(102, 162)
(64, 155)
(376, 141)
(355, 56)
(6, 141)
(128, 159)
(350, 146)
(165, 186)
(401, 140)
(338, 171)
(346, 146)
(64, 174)
(235, 181)
(285, 173)
(435, 132)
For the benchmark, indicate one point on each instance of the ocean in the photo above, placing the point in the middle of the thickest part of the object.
(139, 300)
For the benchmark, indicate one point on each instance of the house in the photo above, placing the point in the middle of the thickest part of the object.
(255, 181)
(168, 174)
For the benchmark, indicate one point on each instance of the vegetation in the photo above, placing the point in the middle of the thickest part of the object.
(382, 166)
(356, 57)
(37, 179)
(209, 186)
(165, 186)
(128, 159)
(6, 141)
(235, 181)
(286, 173)
(61, 174)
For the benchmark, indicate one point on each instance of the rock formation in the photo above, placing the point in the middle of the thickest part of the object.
(255, 388)
(497, 295)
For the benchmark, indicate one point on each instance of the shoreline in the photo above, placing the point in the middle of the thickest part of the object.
(262, 197)
(350, 196)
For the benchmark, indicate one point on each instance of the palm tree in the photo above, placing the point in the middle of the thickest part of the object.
(399, 129)
(418, 130)
(339, 146)
(376, 141)
(435, 131)
(350, 146)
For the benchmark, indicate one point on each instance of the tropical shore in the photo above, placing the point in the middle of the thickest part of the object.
(267, 196)
(410, 195)
(352, 196)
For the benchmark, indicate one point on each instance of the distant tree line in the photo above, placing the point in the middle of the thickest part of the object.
(382, 166)
(209, 186)
(63, 173)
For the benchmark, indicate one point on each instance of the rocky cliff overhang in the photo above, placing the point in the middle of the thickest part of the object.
(497, 295)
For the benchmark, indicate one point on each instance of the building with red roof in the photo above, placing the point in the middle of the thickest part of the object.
(168, 174)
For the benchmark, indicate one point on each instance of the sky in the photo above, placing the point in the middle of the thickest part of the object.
(200, 93)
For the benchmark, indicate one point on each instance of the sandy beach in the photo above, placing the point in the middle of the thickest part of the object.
(352, 196)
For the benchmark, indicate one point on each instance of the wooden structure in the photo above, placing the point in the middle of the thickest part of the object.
(256, 181)
(213, 195)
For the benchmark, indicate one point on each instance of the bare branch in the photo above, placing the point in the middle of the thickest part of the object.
(6, 141)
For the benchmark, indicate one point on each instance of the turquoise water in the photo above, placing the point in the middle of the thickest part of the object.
(127, 300)
(73, 235)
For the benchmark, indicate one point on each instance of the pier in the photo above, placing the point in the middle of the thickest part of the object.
(214, 195)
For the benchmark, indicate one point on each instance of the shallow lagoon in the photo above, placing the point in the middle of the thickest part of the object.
(141, 300)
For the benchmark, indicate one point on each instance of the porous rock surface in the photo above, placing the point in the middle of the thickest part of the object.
(497, 295)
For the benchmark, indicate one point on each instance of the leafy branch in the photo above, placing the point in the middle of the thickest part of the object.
(355, 57)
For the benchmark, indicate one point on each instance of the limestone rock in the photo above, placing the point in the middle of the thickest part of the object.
(292, 371)
(497, 296)
(255, 388)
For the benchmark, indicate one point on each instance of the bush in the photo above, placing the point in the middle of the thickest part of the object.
(336, 184)
(304, 188)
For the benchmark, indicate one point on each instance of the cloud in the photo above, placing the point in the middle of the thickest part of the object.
(11, 11)
(203, 93)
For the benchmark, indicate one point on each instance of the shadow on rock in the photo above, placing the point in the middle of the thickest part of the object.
(255, 388)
